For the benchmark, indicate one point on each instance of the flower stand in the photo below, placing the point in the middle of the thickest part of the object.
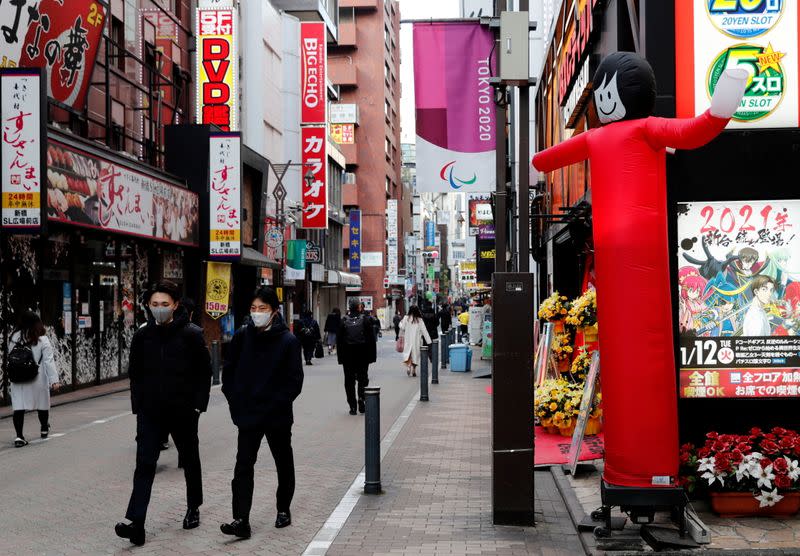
(744, 504)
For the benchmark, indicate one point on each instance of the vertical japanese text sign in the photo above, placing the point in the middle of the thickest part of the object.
(22, 148)
(391, 251)
(355, 240)
(313, 53)
(315, 193)
(225, 195)
(217, 68)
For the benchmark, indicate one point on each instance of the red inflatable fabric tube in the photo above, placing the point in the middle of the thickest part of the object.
(629, 214)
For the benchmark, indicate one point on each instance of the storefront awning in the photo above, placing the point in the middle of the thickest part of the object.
(344, 278)
(251, 257)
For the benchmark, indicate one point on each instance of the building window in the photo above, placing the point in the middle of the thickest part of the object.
(118, 36)
(388, 185)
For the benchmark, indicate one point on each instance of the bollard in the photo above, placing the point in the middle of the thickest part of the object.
(446, 348)
(435, 361)
(372, 441)
(443, 341)
(423, 373)
(215, 361)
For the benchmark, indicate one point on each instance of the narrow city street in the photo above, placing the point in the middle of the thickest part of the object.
(69, 491)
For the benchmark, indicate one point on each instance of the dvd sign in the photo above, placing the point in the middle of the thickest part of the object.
(216, 68)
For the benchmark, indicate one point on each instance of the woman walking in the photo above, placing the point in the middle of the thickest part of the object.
(35, 394)
(413, 328)
(332, 324)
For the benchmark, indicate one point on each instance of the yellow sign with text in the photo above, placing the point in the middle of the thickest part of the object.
(218, 288)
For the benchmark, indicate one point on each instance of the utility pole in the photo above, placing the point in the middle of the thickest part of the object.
(500, 199)
(524, 202)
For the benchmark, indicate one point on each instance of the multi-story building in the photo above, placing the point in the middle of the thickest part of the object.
(366, 66)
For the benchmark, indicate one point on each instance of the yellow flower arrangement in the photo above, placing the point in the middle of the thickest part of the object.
(583, 310)
(555, 307)
(558, 402)
(562, 346)
(581, 364)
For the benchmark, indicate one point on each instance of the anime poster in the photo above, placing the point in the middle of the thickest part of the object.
(739, 299)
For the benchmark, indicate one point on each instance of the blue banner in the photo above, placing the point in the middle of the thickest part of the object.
(430, 234)
(355, 240)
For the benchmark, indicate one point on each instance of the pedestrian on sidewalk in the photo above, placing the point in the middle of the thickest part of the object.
(170, 374)
(445, 318)
(332, 324)
(309, 335)
(463, 321)
(431, 319)
(261, 378)
(356, 350)
(396, 322)
(414, 331)
(29, 340)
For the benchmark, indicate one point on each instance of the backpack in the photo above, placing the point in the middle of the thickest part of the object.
(354, 330)
(22, 367)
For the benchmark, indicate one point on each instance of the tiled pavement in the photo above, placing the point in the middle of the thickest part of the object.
(437, 483)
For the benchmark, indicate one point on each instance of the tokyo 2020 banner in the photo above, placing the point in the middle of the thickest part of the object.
(454, 107)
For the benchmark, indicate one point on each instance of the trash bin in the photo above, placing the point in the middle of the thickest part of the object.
(460, 356)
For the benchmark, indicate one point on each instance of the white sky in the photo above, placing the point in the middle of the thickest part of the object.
(415, 9)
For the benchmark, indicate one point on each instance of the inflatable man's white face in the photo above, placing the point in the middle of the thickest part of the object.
(608, 102)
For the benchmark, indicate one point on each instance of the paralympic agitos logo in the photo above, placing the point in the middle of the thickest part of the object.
(447, 174)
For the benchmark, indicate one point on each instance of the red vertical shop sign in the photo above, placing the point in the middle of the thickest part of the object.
(313, 53)
(315, 192)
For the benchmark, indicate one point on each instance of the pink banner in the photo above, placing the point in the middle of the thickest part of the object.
(455, 108)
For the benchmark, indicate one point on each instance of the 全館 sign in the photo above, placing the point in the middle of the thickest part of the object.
(217, 68)
(21, 148)
(225, 198)
(315, 194)
(313, 53)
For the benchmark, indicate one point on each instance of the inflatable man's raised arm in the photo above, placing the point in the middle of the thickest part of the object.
(629, 214)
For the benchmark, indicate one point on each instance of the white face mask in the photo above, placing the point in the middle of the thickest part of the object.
(260, 320)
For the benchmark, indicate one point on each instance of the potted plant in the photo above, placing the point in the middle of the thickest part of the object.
(582, 313)
(555, 309)
(581, 364)
(562, 351)
(751, 474)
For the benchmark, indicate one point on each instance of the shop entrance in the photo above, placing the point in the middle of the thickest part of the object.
(96, 309)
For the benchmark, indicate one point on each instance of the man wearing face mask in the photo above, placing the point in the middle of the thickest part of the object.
(262, 376)
(170, 374)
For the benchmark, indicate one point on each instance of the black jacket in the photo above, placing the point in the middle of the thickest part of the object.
(357, 354)
(445, 319)
(431, 321)
(262, 375)
(333, 322)
(170, 367)
(314, 336)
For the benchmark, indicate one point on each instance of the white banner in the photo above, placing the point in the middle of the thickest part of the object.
(225, 198)
(21, 149)
(371, 258)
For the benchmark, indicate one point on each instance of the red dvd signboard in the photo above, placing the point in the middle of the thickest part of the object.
(313, 52)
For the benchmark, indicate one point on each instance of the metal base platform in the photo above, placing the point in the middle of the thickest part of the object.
(640, 504)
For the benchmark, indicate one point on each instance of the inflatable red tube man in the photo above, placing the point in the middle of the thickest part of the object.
(629, 213)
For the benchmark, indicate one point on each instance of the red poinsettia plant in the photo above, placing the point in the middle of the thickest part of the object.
(764, 463)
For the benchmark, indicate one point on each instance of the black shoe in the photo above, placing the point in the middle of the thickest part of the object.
(238, 528)
(164, 446)
(19, 442)
(361, 407)
(45, 431)
(284, 519)
(130, 531)
(353, 410)
(309, 363)
(192, 518)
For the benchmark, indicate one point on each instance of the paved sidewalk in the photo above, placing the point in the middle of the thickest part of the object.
(79, 395)
(437, 482)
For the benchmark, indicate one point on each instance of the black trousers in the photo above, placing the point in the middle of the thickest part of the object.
(150, 430)
(19, 420)
(352, 373)
(280, 444)
(308, 350)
